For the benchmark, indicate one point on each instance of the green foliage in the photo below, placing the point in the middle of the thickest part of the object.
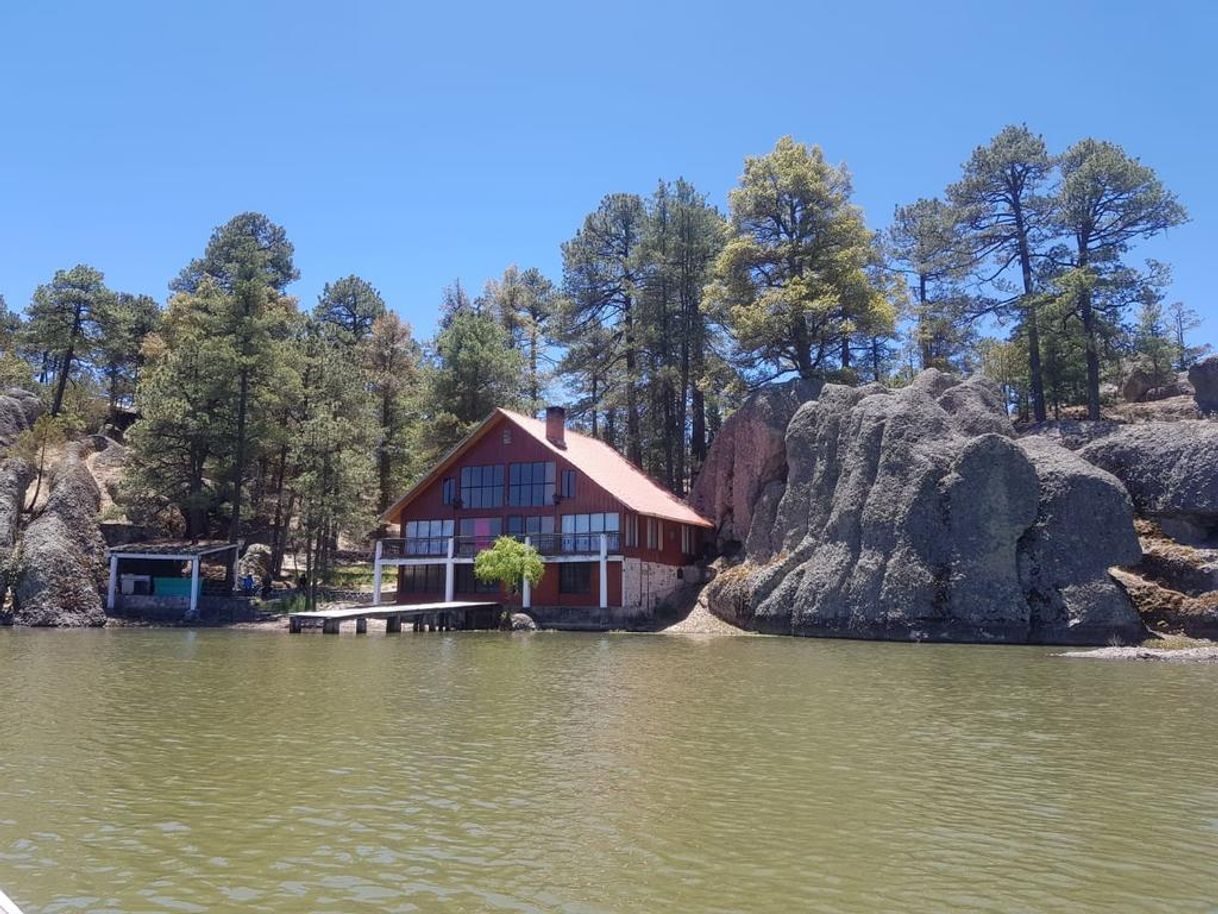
(64, 324)
(352, 305)
(793, 282)
(509, 562)
(525, 303)
(36, 445)
(475, 369)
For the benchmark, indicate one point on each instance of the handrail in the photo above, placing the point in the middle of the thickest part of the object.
(467, 546)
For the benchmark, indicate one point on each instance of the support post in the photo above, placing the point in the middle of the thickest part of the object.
(329, 627)
(450, 573)
(295, 625)
(361, 625)
(111, 590)
(604, 569)
(393, 624)
(526, 589)
(194, 585)
(376, 575)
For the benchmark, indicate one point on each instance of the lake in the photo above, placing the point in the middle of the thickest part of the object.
(152, 770)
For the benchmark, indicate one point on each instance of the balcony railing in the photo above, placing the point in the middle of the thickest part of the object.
(547, 544)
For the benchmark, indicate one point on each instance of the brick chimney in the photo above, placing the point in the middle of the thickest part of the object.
(556, 426)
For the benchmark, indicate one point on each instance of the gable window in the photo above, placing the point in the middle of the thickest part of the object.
(507, 434)
(567, 489)
(427, 537)
(447, 490)
(482, 487)
(531, 485)
(575, 577)
(582, 532)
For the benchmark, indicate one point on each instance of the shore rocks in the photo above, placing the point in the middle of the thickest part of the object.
(748, 454)
(1171, 472)
(18, 411)
(1204, 378)
(15, 477)
(61, 567)
(914, 514)
(522, 622)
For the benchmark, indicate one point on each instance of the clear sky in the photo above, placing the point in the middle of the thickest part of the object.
(415, 144)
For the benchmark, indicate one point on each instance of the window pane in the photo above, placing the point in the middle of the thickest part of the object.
(611, 523)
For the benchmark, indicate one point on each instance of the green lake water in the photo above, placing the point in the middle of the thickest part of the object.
(148, 771)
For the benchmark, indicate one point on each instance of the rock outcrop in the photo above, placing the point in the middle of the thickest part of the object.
(1171, 472)
(1204, 378)
(913, 513)
(18, 411)
(15, 477)
(61, 566)
(748, 455)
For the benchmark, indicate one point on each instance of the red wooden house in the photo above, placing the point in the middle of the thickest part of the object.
(610, 537)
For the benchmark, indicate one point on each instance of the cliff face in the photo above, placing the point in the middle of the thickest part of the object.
(52, 560)
(914, 513)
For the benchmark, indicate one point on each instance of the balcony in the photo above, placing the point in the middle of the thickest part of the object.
(546, 544)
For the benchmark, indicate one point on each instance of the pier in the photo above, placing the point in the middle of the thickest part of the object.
(453, 615)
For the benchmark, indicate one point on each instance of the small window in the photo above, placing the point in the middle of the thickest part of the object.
(507, 434)
(568, 484)
(575, 577)
(447, 490)
(653, 533)
(632, 530)
(467, 582)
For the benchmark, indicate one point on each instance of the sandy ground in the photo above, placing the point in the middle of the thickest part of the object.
(701, 621)
(1184, 655)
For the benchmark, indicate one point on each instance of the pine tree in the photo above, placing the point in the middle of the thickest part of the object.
(64, 323)
(793, 283)
(352, 305)
(1107, 199)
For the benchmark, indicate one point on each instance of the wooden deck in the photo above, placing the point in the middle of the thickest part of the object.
(422, 617)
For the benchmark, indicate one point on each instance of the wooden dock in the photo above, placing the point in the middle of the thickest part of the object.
(422, 617)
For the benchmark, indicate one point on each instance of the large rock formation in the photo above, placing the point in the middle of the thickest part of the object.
(61, 567)
(748, 455)
(914, 513)
(15, 477)
(1171, 472)
(18, 410)
(1204, 378)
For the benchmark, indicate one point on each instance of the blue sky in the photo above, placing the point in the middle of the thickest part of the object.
(414, 145)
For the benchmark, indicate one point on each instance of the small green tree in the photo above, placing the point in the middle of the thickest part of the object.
(509, 562)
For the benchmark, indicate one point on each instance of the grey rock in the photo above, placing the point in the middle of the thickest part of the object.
(61, 564)
(1136, 386)
(913, 513)
(15, 477)
(1204, 378)
(18, 411)
(522, 622)
(747, 455)
(1171, 472)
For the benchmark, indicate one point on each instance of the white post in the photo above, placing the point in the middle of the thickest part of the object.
(450, 574)
(376, 576)
(526, 589)
(111, 590)
(194, 585)
(604, 571)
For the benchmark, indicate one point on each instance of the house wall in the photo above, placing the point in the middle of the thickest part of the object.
(646, 585)
(544, 594)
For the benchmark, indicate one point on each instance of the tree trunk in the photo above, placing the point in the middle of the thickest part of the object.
(234, 535)
(1029, 308)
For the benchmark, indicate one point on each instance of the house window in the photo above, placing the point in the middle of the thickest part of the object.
(575, 577)
(687, 540)
(467, 582)
(567, 489)
(482, 487)
(653, 533)
(531, 484)
(427, 537)
(582, 532)
(530, 526)
(632, 530)
(447, 490)
(478, 533)
(427, 579)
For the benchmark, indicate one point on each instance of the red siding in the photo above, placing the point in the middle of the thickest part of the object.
(544, 594)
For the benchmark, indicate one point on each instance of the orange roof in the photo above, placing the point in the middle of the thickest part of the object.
(596, 459)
